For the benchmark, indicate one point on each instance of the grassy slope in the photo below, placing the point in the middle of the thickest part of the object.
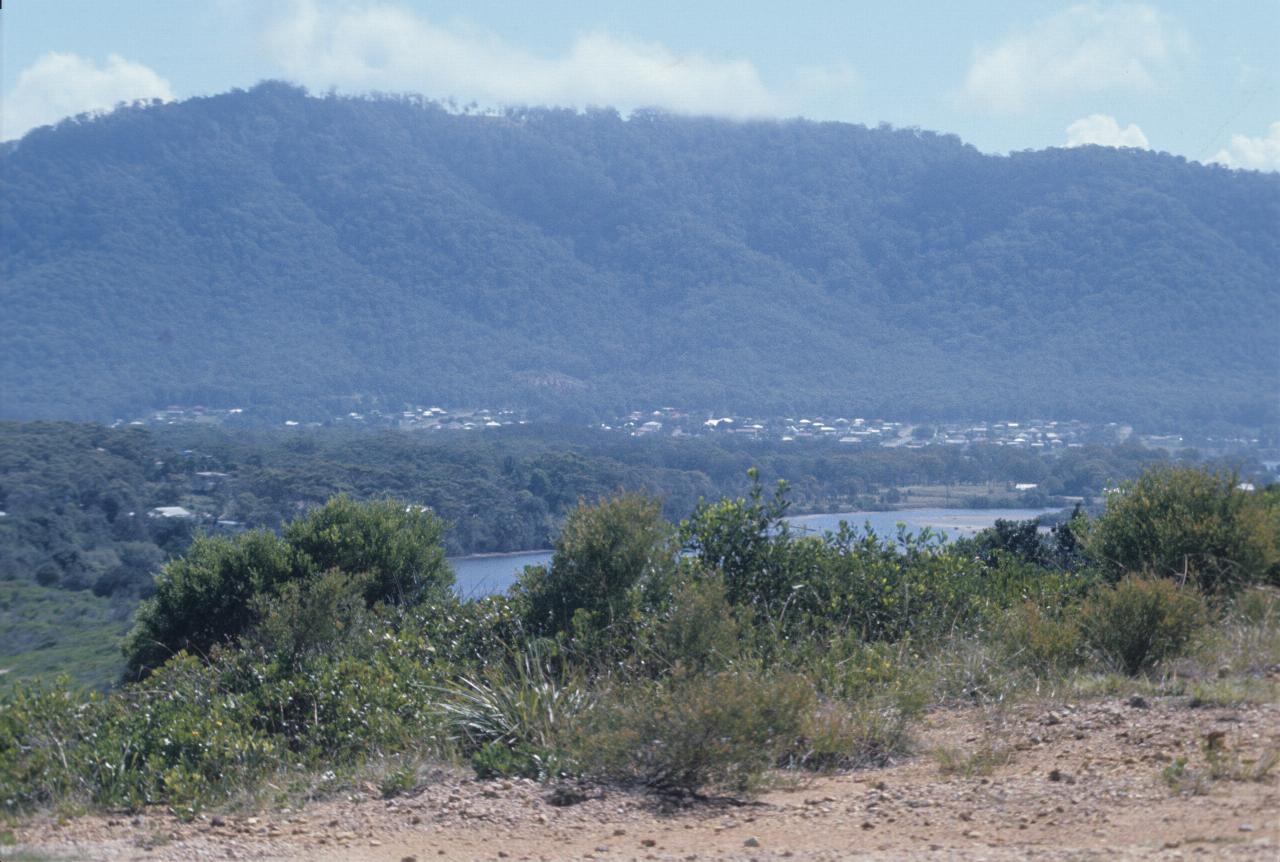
(45, 632)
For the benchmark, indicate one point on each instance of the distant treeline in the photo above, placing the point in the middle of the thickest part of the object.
(79, 499)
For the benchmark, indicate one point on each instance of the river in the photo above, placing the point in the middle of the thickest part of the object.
(481, 574)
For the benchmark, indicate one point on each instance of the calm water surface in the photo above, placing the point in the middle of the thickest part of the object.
(481, 574)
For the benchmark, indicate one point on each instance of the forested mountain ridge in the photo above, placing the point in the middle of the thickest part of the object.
(282, 252)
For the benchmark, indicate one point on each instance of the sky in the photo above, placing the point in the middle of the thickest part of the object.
(1198, 79)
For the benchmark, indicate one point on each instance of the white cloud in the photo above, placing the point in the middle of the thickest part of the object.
(1254, 154)
(383, 47)
(1084, 49)
(1104, 131)
(61, 85)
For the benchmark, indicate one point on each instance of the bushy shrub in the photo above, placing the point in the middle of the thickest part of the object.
(221, 588)
(1041, 641)
(179, 740)
(1189, 525)
(611, 560)
(699, 630)
(1141, 621)
(206, 597)
(690, 733)
(398, 548)
(1259, 605)
(38, 723)
(305, 619)
(748, 542)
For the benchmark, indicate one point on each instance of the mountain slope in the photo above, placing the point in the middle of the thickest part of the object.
(270, 249)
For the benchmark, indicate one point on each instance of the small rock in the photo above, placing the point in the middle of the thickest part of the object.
(751, 842)
(408, 859)
(1246, 827)
(647, 842)
(867, 824)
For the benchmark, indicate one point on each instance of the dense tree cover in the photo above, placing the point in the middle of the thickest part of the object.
(273, 250)
(78, 499)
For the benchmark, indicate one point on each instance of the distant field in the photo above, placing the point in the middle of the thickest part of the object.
(45, 632)
(968, 495)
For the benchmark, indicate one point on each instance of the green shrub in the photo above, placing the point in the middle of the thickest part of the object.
(501, 760)
(305, 619)
(1042, 642)
(206, 597)
(1189, 525)
(398, 548)
(222, 587)
(1259, 606)
(179, 741)
(610, 560)
(699, 631)
(689, 733)
(748, 542)
(38, 723)
(1140, 621)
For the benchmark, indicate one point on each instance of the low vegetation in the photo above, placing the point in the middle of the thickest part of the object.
(687, 659)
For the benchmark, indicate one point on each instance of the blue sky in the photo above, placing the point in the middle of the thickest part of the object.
(1201, 79)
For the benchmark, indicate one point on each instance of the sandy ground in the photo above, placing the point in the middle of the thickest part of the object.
(1069, 782)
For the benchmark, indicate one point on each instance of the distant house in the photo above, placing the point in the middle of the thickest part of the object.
(170, 512)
